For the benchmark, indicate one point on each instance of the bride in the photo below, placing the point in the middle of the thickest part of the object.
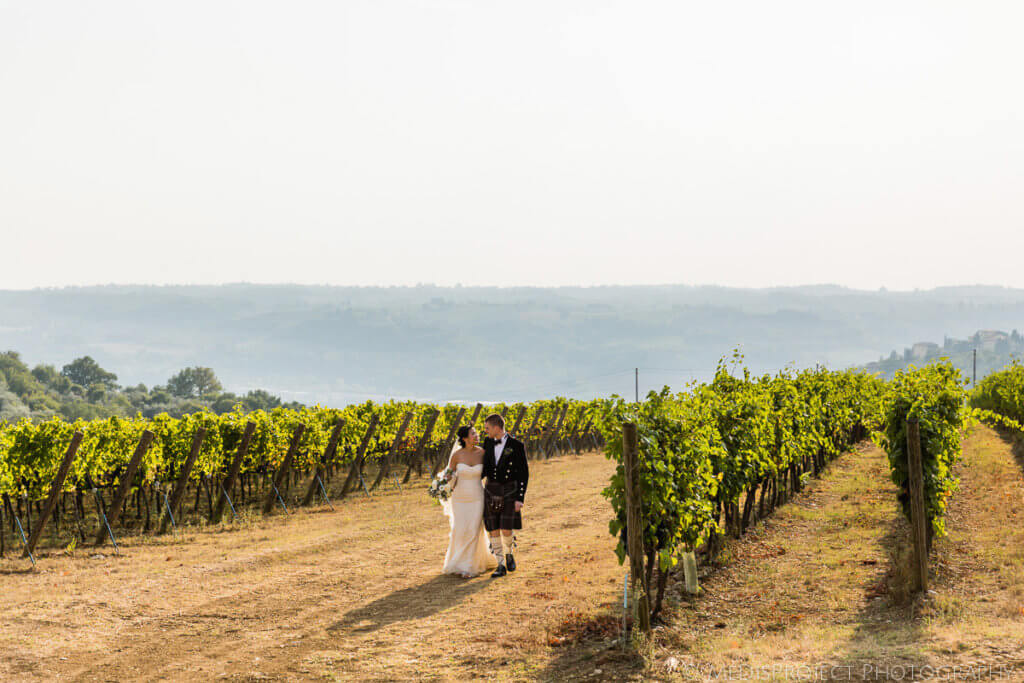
(468, 549)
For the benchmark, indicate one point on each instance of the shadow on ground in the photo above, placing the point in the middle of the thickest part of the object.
(416, 602)
(581, 660)
(887, 631)
(1013, 440)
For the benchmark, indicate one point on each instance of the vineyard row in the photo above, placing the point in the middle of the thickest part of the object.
(140, 472)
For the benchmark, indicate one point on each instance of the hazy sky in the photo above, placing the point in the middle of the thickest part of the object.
(556, 142)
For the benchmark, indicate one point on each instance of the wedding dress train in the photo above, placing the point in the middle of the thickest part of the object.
(468, 546)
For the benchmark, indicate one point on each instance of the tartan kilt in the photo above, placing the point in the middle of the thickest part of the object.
(500, 506)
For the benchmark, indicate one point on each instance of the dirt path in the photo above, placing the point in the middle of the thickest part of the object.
(355, 594)
(351, 594)
(819, 583)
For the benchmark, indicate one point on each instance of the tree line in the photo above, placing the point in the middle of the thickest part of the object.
(84, 389)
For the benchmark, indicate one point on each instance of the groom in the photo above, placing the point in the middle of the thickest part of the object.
(507, 473)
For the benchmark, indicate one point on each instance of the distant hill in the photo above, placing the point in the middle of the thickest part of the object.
(994, 349)
(337, 345)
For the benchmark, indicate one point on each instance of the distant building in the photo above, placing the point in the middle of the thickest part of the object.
(987, 339)
(924, 350)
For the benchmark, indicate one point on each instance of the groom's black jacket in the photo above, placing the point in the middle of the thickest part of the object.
(512, 467)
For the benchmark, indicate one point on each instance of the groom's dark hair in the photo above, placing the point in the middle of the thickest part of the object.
(496, 420)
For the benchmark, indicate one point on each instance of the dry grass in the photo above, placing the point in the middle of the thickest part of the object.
(355, 594)
(822, 582)
(352, 594)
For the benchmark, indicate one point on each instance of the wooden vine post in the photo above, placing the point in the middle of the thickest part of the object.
(634, 527)
(385, 465)
(440, 461)
(560, 429)
(236, 465)
(519, 419)
(55, 491)
(918, 518)
(279, 475)
(574, 434)
(357, 462)
(530, 440)
(544, 439)
(549, 443)
(125, 484)
(179, 486)
(476, 414)
(332, 446)
(417, 458)
(582, 435)
(553, 443)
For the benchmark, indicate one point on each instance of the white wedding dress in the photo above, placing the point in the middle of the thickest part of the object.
(468, 546)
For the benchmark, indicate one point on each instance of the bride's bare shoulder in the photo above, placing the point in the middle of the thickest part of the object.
(478, 449)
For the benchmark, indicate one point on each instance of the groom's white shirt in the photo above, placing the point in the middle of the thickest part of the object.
(499, 448)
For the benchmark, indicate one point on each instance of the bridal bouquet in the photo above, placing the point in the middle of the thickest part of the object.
(441, 486)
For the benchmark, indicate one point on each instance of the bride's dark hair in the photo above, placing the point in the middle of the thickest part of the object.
(463, 433)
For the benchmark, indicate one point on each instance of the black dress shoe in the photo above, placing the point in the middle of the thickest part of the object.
(500, 571)
(510, 562)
